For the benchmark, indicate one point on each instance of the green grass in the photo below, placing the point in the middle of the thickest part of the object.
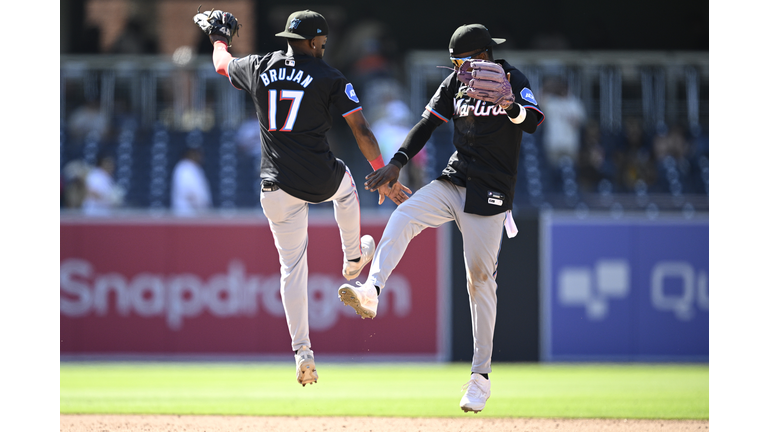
(402, 390)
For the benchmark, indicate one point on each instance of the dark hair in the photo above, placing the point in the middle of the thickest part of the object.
(102, 157)
(193, 151)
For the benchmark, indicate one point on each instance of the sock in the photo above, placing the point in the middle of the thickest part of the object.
(484, 375)
(378, 290)
(355, 260)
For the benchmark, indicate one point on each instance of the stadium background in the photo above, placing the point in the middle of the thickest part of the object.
(621, 270)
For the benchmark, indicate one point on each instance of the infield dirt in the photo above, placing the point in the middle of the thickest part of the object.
(474, 423)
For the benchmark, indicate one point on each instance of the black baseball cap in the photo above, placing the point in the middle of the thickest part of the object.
(304, 24)
(471, 37)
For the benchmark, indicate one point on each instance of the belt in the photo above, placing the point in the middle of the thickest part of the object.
(268, 186)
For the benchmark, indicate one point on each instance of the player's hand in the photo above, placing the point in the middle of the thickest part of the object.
(397, 193)
(217, 22)
(384, 180)
(487, 81)
(381, 177)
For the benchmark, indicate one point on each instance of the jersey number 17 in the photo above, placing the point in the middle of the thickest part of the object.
(295, 97)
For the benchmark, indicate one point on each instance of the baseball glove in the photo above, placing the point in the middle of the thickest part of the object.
(487, 81)
(218, 23)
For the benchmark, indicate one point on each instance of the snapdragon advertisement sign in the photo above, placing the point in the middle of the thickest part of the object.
(196, 287)
(625, 290)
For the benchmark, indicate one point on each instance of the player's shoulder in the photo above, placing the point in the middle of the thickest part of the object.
(328, 69)
(450, 80)
(273, 58)
(516, 76)
(513, 71)
(249, 61)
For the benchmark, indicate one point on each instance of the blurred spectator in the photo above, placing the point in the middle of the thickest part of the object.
(367, 55)
(87, 118)
(248, 136)
(102, 193)
(671, 142)
(190, 191)
(74, 174)
(593, 164)
(184, 114)
(634, 158)
(565, 117)
(193, 119)
(672, 151)
(390, 130)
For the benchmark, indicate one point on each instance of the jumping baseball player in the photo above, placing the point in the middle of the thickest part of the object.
(293, 91)
(491, 105)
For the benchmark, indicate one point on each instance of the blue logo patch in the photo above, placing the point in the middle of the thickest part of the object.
(294, 24)
(527, 94)
(351, 93)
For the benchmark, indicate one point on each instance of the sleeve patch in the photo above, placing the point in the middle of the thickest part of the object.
(527, 94)
(351, 93)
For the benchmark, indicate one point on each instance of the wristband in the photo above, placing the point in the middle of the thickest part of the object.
(520, 117)
(377, 163)
(399, 159)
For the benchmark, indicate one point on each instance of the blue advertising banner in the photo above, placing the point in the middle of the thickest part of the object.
(625, 290)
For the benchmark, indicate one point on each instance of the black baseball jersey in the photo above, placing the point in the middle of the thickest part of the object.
(487, 142)
(293, 97)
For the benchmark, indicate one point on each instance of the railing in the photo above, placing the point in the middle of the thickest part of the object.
(659, 87)
(154, 94)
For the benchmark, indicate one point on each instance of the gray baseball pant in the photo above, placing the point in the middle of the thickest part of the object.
(288, 220)
(430, 207)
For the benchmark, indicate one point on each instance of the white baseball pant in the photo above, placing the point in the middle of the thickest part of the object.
(430, 207)
(288, 220)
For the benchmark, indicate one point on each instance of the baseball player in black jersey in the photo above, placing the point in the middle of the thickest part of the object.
(491, 105)
(294, 91)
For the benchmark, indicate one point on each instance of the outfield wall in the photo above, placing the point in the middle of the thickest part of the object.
(624, 289)
(595, 288)
(211, 287)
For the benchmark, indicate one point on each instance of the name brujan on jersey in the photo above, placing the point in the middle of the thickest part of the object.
(461, 108)
(281, 74)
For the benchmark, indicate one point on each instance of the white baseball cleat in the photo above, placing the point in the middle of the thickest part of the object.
(351, 268)
(363, 298)
(478, 390)
(306, 373)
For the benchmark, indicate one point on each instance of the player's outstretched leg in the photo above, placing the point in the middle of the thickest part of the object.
(364, 298)
(352, 269)
(306, 373)
(477, 391)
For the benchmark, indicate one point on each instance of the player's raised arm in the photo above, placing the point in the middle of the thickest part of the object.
(220, 27)
(368, 145)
